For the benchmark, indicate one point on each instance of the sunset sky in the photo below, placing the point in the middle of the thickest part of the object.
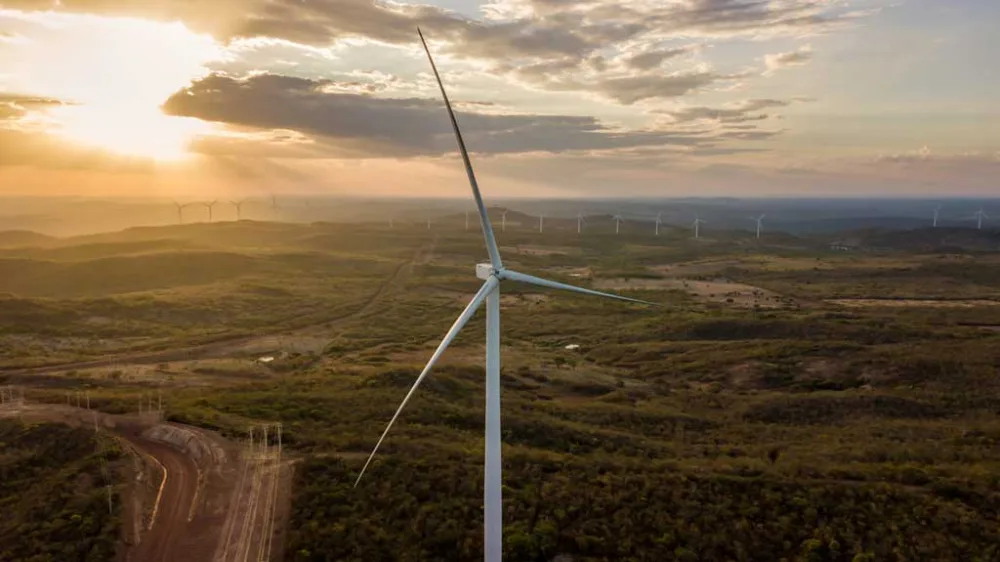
(557, 98)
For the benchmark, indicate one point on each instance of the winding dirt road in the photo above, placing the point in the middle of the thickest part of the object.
(162, 543)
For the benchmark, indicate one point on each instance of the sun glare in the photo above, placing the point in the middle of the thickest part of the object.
(115, 73)
(139, 132)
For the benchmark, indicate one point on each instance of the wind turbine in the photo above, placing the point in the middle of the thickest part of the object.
(579, 222)
(503, 220)
(760, 223)
(428, 223)
(492, 274)
(239, 209)
(979, 216)
(697, 230)
(541, 222)
(618, 222)
(180, 211)
(209, 206)
(659, 216)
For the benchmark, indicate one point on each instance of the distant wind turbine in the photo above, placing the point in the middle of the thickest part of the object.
(180, 211)
(428, 223)
(979, 216)
(579, 222)
(239, 209)
(937, 210)
(541, 222)
(493, 275)
(659, 221)
(503, 220)
(209, 206)
(697, 229)
(618, 223)
(760, 224)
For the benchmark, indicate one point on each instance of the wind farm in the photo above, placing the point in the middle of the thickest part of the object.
(661, 281)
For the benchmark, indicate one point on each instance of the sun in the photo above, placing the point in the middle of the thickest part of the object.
(141, 132)
(113, 75)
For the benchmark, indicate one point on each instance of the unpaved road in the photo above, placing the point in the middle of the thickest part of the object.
(162, 543)
(218, 348)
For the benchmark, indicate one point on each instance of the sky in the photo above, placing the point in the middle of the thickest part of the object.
(556, 98)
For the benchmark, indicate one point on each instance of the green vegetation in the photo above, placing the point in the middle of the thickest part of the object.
(52, 495)
(801, 430)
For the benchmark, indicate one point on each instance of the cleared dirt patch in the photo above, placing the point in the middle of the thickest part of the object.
(913, 303)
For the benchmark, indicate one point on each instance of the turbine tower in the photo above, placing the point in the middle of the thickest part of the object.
(618, 223)
(239, 209)
(579, 222)
(697, 229)
(659, 216)
(503, 220)
(760, 224)
(209, 206)
(937, 210)
(979, 216)
(541, 222)
(180, 211)
(492, 274)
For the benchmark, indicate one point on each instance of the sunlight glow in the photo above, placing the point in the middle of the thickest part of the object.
(115, 73)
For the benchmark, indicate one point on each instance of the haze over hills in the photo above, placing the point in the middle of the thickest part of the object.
(70, 217)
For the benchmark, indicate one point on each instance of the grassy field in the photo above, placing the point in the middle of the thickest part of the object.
(786, 403)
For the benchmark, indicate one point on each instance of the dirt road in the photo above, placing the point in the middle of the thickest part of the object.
(220, 347)
(162, 543)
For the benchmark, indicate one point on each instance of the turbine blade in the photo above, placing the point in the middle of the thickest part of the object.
(460, 323)
(532, 280)
(484, 219)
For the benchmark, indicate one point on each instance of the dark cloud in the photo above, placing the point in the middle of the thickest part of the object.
(364, 125)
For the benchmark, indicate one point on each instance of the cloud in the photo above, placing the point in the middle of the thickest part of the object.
(15, 106)
(652, 59)
(743, 112)
(356, 124)
(778, 61)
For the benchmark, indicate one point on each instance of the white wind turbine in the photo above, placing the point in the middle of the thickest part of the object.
(618, 223)
(541, 222)
(492, 274)
(697, 227)
(579, 222)
(760, 224)
(937, 210)
(659, 221)
(503, 220)
(979, 216)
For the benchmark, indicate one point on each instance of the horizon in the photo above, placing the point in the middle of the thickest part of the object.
(789, 99)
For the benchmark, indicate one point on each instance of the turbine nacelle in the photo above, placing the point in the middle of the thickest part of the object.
(484, 270)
